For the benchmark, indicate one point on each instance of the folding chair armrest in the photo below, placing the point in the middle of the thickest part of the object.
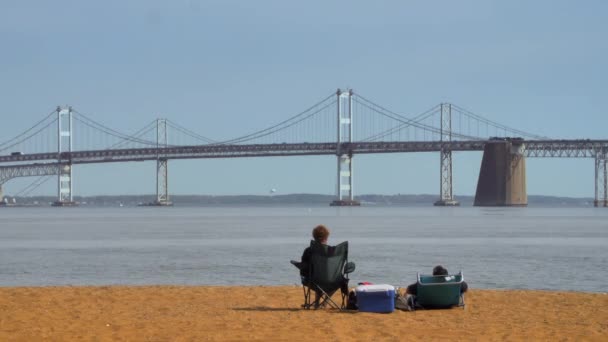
(349, 268)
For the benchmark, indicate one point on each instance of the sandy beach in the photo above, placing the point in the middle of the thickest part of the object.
(181, 313)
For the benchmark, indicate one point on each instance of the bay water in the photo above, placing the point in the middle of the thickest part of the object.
(498, 248)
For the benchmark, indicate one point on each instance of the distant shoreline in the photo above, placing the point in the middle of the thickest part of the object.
(370, 200)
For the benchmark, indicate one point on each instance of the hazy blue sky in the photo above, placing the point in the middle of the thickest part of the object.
(225, 68)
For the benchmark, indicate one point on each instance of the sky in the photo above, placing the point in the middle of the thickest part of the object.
(227, 68)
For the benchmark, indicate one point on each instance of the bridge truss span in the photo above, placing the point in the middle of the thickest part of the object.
(414, 146)
(28, 170)
(203, 151)
(533, 149)
(9, 172)
(565, 148)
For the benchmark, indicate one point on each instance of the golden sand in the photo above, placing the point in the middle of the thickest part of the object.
(182, 313)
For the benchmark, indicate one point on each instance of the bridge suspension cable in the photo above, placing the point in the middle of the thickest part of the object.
(29, 129)
(417, 119)
(405, 121)
(102, 128)
(308, 113)
(496, 124)
(190, 133)
(137, 135)
(7, 145)
(32, 186)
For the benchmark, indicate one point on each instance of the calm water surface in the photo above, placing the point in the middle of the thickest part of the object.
(531, 248)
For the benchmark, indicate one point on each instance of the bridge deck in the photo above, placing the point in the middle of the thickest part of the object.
(533, 148)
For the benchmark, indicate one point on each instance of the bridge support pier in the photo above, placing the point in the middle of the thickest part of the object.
(162, 171)
(162, 183)
(502, 177)
(64, 168)
(345, 183)
(446, 196)
(344, 189)
(65, 186)
(601, 181)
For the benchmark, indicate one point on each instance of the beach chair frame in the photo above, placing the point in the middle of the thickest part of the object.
(434, 292)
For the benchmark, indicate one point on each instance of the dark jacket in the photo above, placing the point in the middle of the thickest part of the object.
(305, 266)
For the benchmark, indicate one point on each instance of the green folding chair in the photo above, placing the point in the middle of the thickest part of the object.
(327, 273)
(438, 292)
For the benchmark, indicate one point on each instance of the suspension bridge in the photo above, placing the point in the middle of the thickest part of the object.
(343, 124)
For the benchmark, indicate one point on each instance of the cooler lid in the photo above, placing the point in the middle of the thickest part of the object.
(375, 288)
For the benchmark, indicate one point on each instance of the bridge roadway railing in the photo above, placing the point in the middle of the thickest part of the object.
(533, 148)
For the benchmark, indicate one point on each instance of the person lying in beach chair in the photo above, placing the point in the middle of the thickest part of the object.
(437, 291)
(324, 270)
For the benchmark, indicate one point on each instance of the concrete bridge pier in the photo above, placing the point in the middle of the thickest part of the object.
(601, 181)
(502, 177)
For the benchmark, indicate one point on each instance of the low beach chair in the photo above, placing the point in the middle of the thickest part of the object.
(327, 273)
(438, 292)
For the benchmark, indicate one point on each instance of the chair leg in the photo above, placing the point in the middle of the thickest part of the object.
(326, 299)
(321, 299)
(411, 303)
(307, 302)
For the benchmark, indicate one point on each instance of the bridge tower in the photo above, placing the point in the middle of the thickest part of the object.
(64, 148)
(344, 184)
(446, 196)
(601, 180)
(162, 172)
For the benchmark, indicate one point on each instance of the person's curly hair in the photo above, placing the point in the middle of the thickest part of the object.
(320, 233)
(440, 271)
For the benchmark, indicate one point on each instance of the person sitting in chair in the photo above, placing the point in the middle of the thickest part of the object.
(320, 234)
(333, 269)
(437, 271)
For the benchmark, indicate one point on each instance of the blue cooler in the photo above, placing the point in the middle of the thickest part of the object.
(376, 298)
